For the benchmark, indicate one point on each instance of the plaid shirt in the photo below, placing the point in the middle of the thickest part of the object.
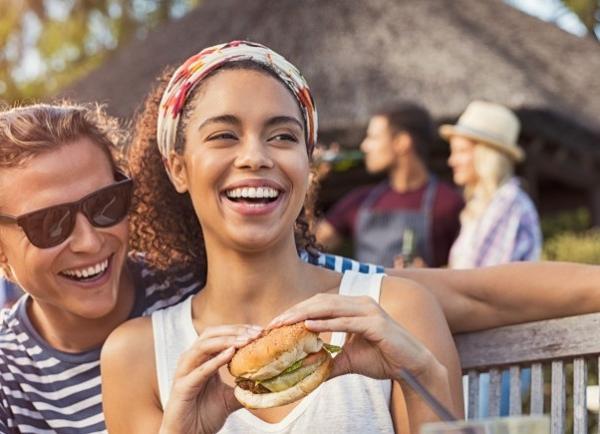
(508, 231)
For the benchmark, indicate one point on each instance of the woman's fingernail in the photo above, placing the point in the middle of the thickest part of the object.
(283, 318)
(275, 320)
(256, 327)
(242, 339)
(254, 332)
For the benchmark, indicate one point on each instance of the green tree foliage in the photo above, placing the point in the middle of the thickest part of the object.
(588, 12)
(45, 44)
(581, 247)
(567, 237)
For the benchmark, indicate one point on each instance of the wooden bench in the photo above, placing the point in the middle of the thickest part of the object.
(546, 345)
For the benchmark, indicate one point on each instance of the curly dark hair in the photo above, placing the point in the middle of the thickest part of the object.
(163, 223)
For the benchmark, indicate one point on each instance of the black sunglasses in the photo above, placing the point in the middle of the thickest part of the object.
(49, 227)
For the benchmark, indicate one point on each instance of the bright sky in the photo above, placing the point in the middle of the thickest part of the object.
(551, 10)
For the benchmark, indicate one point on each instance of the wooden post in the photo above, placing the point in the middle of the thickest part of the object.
(579, 396)
(558, 405)
(537, 389)
(514, 403)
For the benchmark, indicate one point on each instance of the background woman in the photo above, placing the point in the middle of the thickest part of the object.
(499, 223)
(236, 127)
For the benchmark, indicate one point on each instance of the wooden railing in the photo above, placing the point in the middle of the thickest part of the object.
(546, 344)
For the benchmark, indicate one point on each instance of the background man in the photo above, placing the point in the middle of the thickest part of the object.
(411, 205)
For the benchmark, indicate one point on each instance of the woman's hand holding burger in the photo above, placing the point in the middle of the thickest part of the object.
(376, 345)
(288, 360)
(200, 402)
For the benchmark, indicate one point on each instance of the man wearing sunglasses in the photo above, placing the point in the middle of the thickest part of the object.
(64, 240)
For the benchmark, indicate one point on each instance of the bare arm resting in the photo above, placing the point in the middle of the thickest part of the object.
(510, 294)
(327, 235)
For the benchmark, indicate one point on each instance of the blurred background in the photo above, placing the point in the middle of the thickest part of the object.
(541, 58)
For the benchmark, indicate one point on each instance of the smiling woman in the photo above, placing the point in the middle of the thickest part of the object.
(164, 232)
(235, 126)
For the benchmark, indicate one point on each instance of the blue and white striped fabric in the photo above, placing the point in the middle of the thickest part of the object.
(43, 390)
(342, 264)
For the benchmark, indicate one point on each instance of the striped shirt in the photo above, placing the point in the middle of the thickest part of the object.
(507, 231)
(43, 390)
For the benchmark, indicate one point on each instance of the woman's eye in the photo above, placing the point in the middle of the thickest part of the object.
(285, 137)
(222, 136)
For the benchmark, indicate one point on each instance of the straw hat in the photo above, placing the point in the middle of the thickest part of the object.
(489, 124)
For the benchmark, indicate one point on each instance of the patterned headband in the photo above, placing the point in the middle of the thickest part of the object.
(197, 67)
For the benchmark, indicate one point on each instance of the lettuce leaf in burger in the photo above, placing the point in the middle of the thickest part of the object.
(283, 365)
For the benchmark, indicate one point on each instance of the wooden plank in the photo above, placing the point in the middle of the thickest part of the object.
(514, 403)
(537, 389)
(494, 392)
(579, 397)
(546, 340)
(473, 395)
(557, 406)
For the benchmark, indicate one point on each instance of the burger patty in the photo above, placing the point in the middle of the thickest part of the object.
(251, 385)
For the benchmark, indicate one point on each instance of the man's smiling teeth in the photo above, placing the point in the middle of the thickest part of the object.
(83, 273)
(252, 192)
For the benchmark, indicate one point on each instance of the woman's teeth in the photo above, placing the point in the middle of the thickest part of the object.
(252, 193)
(88, 272)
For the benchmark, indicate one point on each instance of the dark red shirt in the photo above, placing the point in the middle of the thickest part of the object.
(446, 210)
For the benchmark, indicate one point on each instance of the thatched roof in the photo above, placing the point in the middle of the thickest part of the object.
(359, 55)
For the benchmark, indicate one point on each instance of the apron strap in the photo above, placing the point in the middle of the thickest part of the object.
(427, 210)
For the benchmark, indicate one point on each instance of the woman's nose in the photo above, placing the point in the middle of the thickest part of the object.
(253, 154)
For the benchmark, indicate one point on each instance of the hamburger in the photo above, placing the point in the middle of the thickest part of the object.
(281, 366)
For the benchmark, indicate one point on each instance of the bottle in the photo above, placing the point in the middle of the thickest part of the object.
(409, 246)
(341, 160)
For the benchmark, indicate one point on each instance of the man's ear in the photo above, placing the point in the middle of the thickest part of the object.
(4, 267)
(177, 172)
(402, 143)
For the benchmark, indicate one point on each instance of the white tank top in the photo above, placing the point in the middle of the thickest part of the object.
(346, 404)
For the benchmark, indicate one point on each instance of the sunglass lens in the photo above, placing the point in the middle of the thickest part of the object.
(109, 206)
(49, 227)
